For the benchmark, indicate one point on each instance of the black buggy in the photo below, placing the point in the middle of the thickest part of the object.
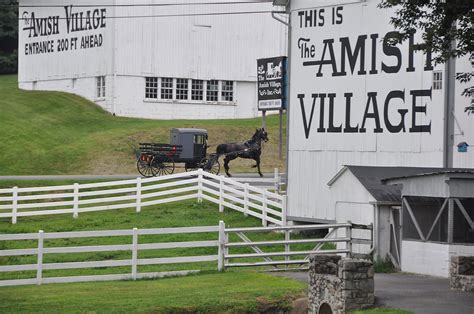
(188, 146)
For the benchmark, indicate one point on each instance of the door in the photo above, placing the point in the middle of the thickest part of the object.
(199, 143)
(395, 236)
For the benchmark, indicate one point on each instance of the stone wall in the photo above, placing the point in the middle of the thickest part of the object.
(343, 284)
(461, 273)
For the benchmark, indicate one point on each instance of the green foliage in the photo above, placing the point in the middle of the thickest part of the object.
(446, 26)
(8, 36)
(435, 19)
(8, 63)
(384, 266)
(208, 293)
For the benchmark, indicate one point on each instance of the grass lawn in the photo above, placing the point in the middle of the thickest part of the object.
(236, 290)
(181, 214)
(228, 292)
(47, 133)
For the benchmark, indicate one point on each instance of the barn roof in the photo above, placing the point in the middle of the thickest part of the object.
(372, 178)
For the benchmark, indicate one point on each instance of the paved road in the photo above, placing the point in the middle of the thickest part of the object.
(419, 294)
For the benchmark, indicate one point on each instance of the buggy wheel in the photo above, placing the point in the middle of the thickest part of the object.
(163, 165)
(145, 168)
(211, 164)
(191, 166)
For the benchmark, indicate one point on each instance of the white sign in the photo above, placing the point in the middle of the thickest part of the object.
(352, 85)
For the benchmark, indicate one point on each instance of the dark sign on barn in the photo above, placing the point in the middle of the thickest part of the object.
(271, 74)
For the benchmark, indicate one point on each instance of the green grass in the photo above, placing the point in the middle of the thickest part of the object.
(384, 266)
(48, 133)
(228, 292)
(182, 214)
(236, 290)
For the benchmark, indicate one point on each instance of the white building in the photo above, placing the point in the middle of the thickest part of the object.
(356, 100)
(161, 60)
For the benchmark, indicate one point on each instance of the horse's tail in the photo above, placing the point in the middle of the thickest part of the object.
(221, 149)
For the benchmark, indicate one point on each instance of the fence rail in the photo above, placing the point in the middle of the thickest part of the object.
(223, 243)
(138, 193)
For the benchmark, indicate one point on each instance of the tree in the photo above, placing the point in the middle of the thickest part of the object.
(8, 36)
(446, 26)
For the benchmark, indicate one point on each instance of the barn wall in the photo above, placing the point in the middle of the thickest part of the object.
(351, 202)
(431, 258)
(135, 105)
(425, 258)
(220, 47)
(348, 132)
(464, 128)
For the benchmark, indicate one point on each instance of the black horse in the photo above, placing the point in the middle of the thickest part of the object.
(251, 149)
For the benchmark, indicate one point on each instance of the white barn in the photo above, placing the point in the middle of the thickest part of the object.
(158, 59)
(356, 102)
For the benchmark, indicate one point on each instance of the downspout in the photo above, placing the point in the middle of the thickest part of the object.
(448, 141)
(279, 19)
(288, 73)
(375, 230)
(114, 70)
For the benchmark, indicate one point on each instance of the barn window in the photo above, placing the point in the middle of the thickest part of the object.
(227, 91)
(181, 89)
(100, 86)
(437, 80)
(197, 89)
(151, 87)
(212, 90)
(166, 88)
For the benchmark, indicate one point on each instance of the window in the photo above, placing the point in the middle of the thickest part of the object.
(197, 89)
(227, 91)
(100, 86)
(166, 88)
(212, 90)
(437, 80)
(151, 87)
(199, 139)
(181, 89)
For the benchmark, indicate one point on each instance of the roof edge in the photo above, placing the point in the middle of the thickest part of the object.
(337, 176)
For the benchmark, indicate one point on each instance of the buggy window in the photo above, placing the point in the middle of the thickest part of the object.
(199, 139)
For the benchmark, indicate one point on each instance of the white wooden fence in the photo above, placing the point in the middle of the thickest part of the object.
(221, 241)
(138, 193)
(284, 257)
(134, 247)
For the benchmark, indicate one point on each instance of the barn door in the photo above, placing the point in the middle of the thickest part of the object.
(395, 236)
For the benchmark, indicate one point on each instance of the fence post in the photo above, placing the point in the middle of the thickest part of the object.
(264, 209)
(200, 178)
(75, 206)
(14, 204)
(221, 195)
(246, 199)
(287, 246)
(277, 180)
(39, 267)
(221, 248)
(284, 203)
(134, 253)
(349, 236)
(139, 195)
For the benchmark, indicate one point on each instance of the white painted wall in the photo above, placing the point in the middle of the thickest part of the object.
(222, 47)
(352, 206)
(316, 156)
(429, 258)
